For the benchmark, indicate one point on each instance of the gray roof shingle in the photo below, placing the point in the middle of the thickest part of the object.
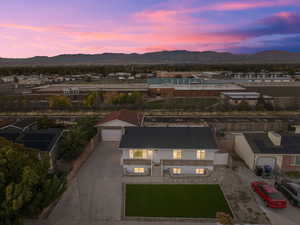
(168, 138)
(261, 143)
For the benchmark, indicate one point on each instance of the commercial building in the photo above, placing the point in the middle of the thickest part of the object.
(235, 98)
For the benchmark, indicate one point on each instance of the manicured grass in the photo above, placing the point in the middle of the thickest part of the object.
(172, 200)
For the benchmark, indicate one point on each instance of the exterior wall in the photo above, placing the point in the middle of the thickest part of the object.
(117, 123)
(130, 168)
(243, 149)
(236, 102)
(168, 154)
(189, 169)
(195, 93)
(126, 155)
(221, 159)
(278, 159)
(172, 92)
(287, 166)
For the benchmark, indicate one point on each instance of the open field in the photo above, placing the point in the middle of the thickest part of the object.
(182, 103)
(175, 200)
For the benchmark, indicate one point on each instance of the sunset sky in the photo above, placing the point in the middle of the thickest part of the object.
(52, 27)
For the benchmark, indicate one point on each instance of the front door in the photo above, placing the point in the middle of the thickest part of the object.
(156, 157)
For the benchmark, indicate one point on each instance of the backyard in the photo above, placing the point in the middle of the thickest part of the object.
(175, 200)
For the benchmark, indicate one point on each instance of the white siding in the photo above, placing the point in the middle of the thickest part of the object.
(130, 168)
(111, 134)
(186, 154)
(189, 169)
(221, 159)
(278, 159)
(168, 154)
(243, 149)
(117, 123)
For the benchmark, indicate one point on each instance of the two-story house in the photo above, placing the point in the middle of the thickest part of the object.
(174, 150)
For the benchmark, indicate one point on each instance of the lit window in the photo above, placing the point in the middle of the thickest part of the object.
(296, 161)
(139, 170)
(177, 170)
(201, 154)
(200, 171)
(138, 154)
(177, 154)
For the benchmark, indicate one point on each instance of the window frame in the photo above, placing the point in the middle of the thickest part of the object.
(200, 153)
(175, 152)
(132, 152)
(176, 170)
(197, 169)
(137, 170)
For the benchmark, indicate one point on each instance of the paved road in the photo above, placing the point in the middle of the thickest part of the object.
(96, 193)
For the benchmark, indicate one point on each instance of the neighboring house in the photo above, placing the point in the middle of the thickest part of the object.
(21, 124)
(112, 126)
(5, 123)
(173, 150)
(282, 152)
(235, 98)
(45, 140)
(10, 134)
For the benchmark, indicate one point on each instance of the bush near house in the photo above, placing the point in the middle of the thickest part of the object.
(26, 187)
(74, 141)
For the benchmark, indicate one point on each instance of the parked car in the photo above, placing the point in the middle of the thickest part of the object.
(269, 195)
(291, 190)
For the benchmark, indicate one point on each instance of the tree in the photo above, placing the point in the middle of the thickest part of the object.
(93, 99)
(45, 123)
(130, 98)
(72, 145)
(59, 102)
(224, 218)
(74, 141)
(25, 185)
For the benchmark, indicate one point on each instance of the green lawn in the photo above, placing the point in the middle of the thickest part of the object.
(182, 200)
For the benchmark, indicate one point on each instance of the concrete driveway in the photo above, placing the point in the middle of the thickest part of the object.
(288, 216)
(95, 194)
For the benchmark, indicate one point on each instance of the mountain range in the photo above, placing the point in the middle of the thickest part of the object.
(163, 57)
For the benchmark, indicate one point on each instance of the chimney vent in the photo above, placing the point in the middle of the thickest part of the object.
(275, 138)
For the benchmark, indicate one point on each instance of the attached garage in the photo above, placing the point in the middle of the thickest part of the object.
(111, 134)
(263, 161)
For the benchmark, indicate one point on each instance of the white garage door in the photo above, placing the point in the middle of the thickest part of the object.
(263, 161)
(111, 134)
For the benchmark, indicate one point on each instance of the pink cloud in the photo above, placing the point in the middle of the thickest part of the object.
(243, 5)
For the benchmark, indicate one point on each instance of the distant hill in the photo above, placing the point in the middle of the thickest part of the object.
(163, 57)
